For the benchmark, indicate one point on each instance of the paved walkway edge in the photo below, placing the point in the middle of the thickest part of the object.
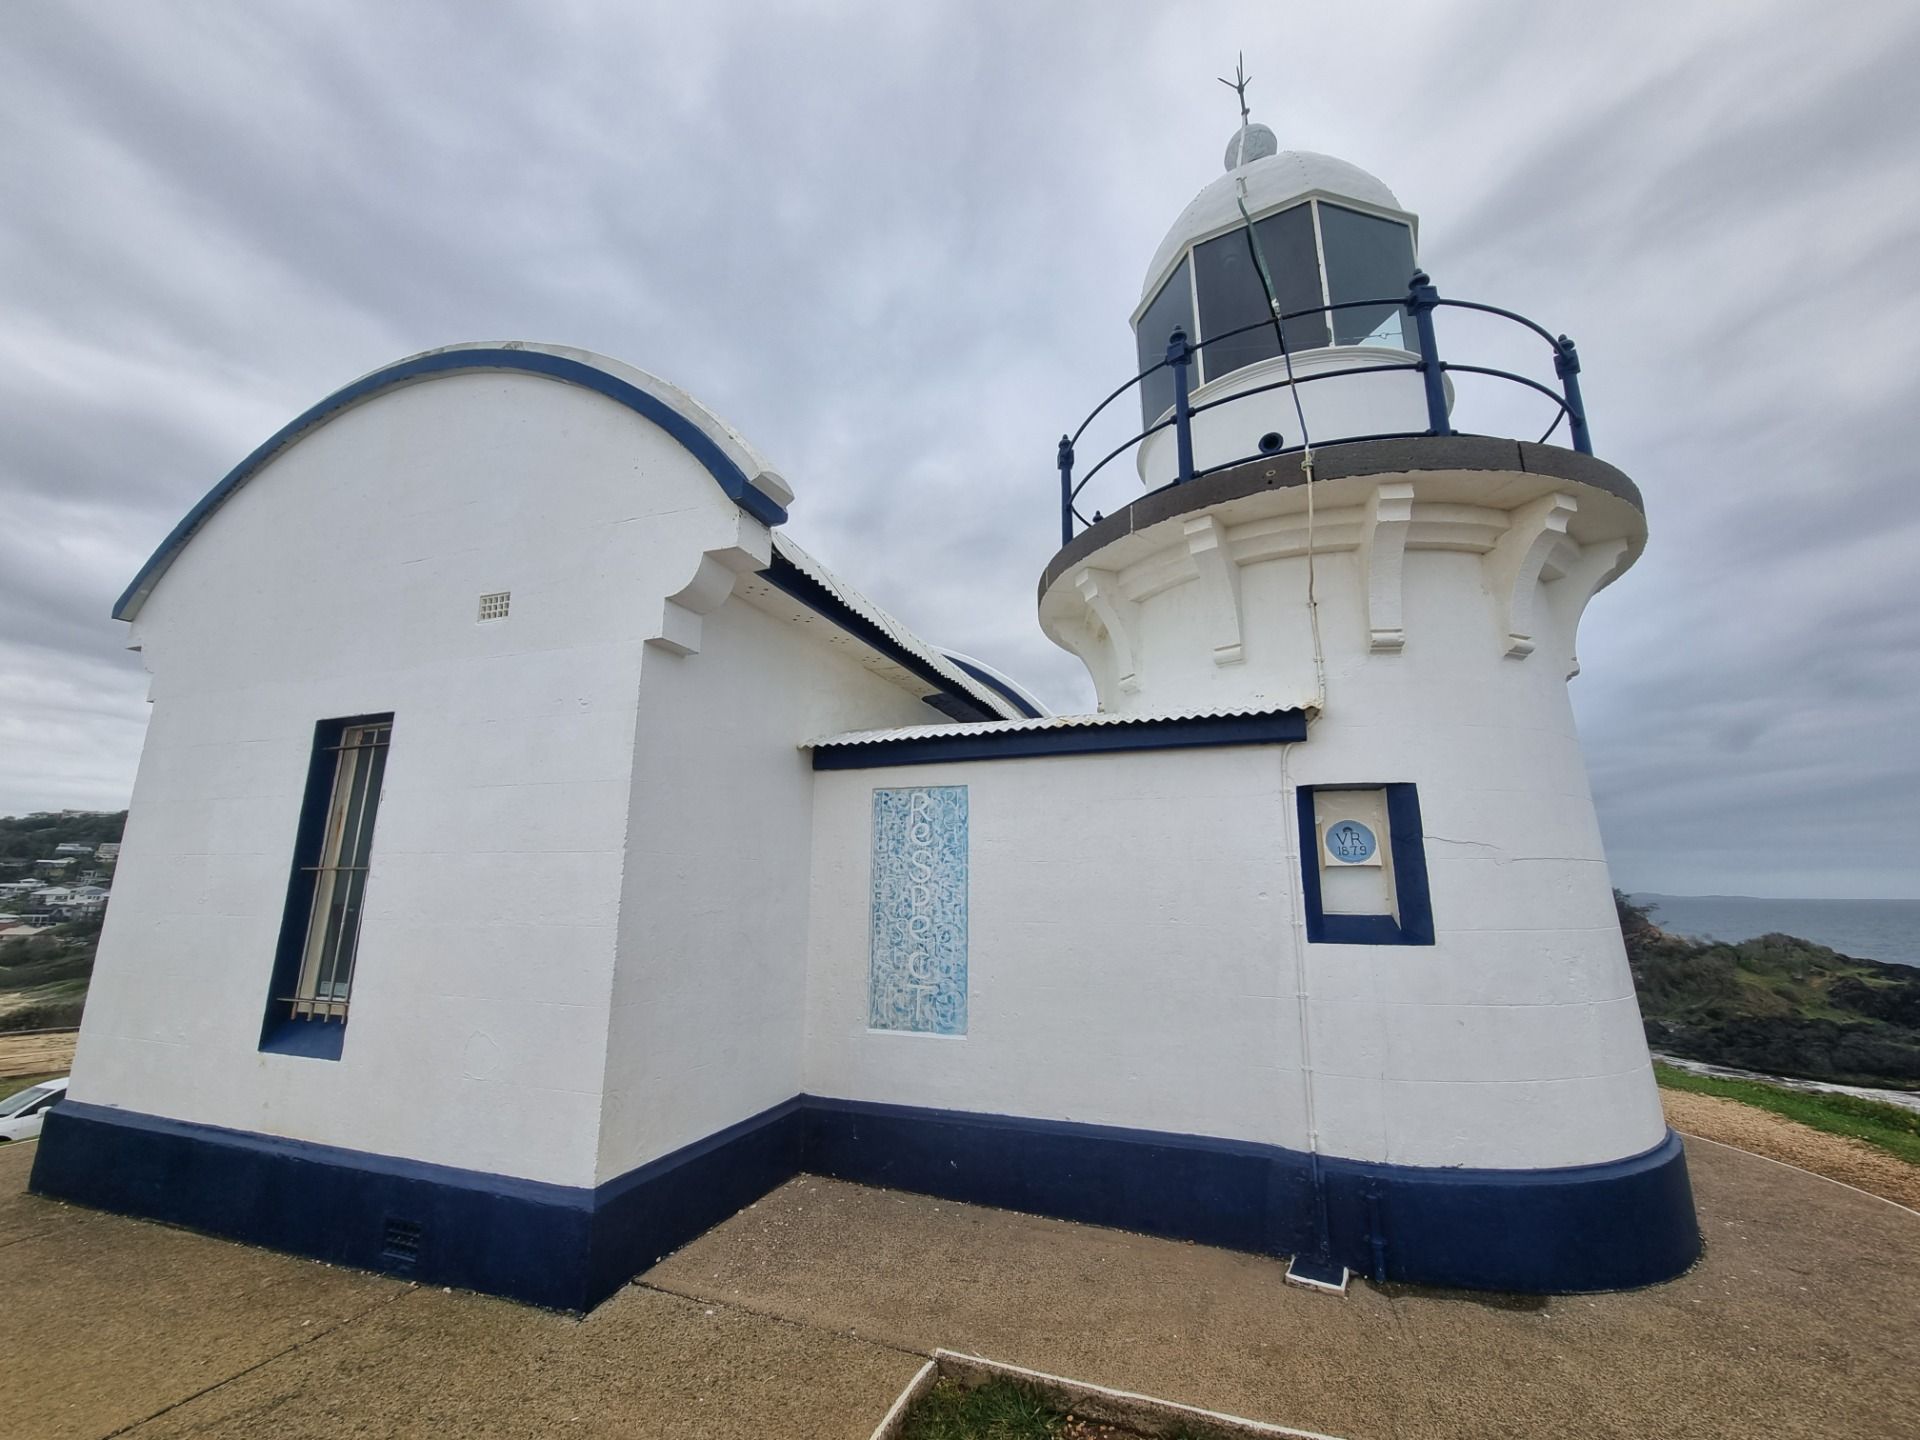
(896, 1417)
(1786, 1165)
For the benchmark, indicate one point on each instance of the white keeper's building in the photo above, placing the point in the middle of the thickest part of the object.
(537, 855)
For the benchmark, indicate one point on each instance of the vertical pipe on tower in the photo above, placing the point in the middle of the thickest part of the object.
(1179, 355)
(1066, 489)
(1566, 364)
(1422, 297)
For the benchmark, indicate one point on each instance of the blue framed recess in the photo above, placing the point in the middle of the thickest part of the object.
(282, 1033)
(1413, 898)
(1609, 1226)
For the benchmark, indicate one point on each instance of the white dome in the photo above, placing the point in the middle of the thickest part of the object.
(1272, 180)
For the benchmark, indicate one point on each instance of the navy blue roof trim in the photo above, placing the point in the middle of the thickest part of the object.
(999, 687)
(1279, 728)
(730, 477)
(783, 574)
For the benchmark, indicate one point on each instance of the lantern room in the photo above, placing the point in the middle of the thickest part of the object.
(1331, 238)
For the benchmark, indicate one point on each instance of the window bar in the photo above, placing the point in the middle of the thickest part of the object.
(307, 1007)
(340, 941)
(355, 745)
(1192, 262)
(375, 764)
(352, 778)
(323, 884)
(332, 933)
(1326, 277)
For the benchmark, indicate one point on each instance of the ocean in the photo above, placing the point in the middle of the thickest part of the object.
(1865, 929)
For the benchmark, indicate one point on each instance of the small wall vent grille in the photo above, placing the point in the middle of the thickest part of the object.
(402, 1243)
(494, 606)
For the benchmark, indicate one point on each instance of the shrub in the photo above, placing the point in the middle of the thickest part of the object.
(43, 1015)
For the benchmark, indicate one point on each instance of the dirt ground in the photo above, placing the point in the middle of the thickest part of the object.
(46, 1054)
(805, 1314)
(1851, 1162)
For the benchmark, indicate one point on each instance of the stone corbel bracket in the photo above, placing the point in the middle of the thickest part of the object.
(1585, 575)
(713, 581)
(1518, 563)
(1101, 590)
(1383, 553)
(1219, 583)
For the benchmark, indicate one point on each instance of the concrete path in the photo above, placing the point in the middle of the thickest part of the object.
(1838, 1157)
(805, 1314)
(116, 1327)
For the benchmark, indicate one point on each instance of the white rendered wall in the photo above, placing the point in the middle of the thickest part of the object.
(707, 1026)
(343, 580)
(1448, 605)
(1132, 936)
(1209, 609)
(1515, 1040)
(1392, 402)
(1130, 950)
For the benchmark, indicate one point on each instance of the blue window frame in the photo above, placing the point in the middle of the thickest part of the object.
(1411, 922)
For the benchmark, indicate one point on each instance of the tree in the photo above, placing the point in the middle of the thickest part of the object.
(1636, 921)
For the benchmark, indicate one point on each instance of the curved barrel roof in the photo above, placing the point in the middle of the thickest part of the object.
(735, 466)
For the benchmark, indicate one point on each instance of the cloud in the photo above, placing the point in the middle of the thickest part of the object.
(897, 247)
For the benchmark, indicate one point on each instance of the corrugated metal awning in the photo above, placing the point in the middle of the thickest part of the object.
(1056, 735)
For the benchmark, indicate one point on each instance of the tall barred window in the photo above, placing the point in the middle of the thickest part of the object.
(338, 872)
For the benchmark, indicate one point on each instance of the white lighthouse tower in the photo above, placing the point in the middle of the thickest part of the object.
(1315, 533)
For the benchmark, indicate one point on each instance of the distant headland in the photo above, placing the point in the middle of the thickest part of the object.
(1773, 1003)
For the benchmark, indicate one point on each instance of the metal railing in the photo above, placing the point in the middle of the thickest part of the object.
(1420, 301)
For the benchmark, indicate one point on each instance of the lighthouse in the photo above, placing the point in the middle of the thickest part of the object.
(1309, 528)
(655, 863)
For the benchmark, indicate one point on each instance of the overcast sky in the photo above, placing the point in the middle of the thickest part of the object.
(896, 245)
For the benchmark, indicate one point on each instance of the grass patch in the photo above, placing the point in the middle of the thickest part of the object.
(70, 970)
(1002, 1410)
(1885, 1127)
(998, 1410)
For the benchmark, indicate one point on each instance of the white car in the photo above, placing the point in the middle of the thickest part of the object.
(22, 1114)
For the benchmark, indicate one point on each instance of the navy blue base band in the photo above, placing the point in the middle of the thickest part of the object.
(561, 1246)
(1593, 1227)
(427, 1222)
(1613, 1226)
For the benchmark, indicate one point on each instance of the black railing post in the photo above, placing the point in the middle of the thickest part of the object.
(1179, 356)
(1421, 299)
(1066, 490)
(1566, 364)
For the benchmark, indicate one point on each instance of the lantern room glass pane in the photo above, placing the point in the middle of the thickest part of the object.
(1173, 306)
(1367, 257)
(1231, 295)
